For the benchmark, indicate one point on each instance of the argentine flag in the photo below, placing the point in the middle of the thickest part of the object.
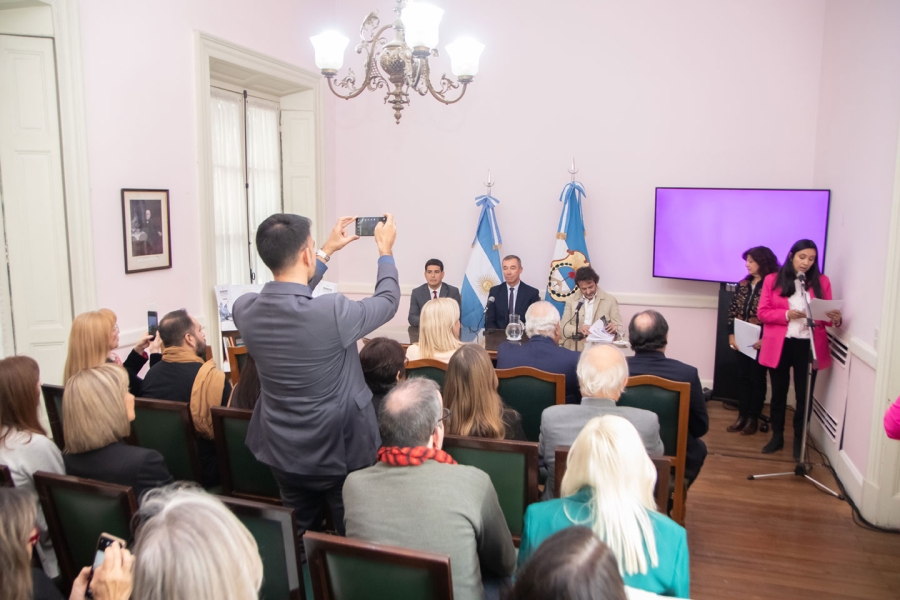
(483, 271)
(571, 251)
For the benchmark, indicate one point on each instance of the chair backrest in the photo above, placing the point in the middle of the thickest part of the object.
(512, 467)
(6, 479)
(78, 511)
(660, 490)
(242, 475)
(429, 368)
(530, 391)
(166, 426)
(345, 569)
(237, 358)
(53, 398)
(275, 530)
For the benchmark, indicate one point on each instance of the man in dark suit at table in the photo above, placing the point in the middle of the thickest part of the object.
(434, 287)
(314, 422)
(648, 333)
(542, 350)
(512, 297)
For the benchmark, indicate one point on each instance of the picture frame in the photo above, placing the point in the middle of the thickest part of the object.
(146, 230)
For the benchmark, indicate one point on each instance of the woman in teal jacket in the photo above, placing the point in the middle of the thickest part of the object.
(608, 486)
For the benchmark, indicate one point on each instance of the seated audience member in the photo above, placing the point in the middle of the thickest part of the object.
(892, 420)
(438, 331)
(648, 333)
(97, 415)
(246, 392)
(470, 392)
(184, 375)
(433, 288)
(571, 563)
(417, 497)
(542, 351)
(514, 296)
(383, 364)
(92, 341)
(596, 304)
(608, 486)
(24, 445)
(189, 546)
(602, 373)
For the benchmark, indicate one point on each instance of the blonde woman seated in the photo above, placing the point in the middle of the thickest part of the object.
(470, 392)
(97, 415)
(608, 486)
(438, 331)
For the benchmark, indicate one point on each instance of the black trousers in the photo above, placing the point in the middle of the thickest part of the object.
(751, 378)
(794, 355)
(308, 495)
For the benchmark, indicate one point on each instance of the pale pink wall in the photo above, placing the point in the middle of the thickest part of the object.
(858, 420)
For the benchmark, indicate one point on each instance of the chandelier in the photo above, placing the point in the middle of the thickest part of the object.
(401, 65)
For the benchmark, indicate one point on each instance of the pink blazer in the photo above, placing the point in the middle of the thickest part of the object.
(771, 312)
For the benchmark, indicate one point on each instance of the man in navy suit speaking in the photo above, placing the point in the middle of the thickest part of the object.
(513, 297)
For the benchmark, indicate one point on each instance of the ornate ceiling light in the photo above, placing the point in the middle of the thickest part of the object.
(401, 65)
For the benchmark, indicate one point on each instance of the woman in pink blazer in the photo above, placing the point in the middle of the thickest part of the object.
(785, 338)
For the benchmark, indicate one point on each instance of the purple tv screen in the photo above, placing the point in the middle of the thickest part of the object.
(702, 232)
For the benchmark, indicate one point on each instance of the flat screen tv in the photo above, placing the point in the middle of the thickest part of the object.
(700, 233)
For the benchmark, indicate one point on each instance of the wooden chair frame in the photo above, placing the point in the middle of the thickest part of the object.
(6, 479)
(184, 410)
(44, 482)
(558, 378)
(233, 352)
(318, 544)
(56, 428)
(219, 413)
(426, 362)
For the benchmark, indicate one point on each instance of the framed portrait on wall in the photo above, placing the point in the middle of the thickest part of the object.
(145, 230)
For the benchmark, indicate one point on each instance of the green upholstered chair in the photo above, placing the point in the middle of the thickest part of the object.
(345, 569)
(237, 358)
(530, 391)
(78, 511)
(242, 475)
(6, 479)
(512, 467)
(166, 426)
(671, 401)
(428, 368)
(275, 531)
(53, 398)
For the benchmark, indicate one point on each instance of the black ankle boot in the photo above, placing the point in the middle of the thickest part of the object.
(738, 425)
(775, 444)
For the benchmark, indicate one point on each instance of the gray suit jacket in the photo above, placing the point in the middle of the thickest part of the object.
(561, 424)
(314, 415)
(422, 294)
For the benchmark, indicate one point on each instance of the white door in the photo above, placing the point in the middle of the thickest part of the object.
(298, 167)
(34, 217)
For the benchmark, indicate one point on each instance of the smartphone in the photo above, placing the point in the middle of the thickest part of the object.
(152, 322)
(366, 225)
(103, 542)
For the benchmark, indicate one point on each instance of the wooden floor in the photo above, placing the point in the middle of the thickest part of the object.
(778, 538)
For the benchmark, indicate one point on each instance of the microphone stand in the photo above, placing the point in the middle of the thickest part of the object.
(801, 469)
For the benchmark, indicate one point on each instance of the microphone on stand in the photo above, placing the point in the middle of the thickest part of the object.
(487, 305)
(578, 335)
(802, 278)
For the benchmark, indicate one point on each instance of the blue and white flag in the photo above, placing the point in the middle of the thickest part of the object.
(483, 271)
(571, 251)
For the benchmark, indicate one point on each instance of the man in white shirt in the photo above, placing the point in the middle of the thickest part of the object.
(433, 288)
(512, 297)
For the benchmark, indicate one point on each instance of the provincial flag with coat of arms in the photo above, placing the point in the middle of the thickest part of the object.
(570, 252)
(484, 270)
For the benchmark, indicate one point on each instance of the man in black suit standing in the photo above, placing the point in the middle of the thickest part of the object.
(512, 297)
(432, 289)
(648, 333)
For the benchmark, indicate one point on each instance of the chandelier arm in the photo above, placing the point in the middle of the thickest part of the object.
(446, 86)
(373, 78)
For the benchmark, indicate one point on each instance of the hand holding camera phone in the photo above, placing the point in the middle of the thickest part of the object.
(105, 541)
(152, 322)
(365, 226)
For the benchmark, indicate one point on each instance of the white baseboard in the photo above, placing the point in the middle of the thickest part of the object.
(846, 471)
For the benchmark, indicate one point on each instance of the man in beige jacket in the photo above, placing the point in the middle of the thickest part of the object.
(596, 304)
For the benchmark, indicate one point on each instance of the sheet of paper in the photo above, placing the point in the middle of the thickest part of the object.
(745, 335)
(820, 308)
(325, 287)
(598, 334)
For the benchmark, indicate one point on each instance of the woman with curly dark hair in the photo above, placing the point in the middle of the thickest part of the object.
(761, 261)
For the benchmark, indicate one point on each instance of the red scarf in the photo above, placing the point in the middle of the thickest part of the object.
(406, 457)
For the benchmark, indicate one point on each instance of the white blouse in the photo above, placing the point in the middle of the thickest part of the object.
(798, 328)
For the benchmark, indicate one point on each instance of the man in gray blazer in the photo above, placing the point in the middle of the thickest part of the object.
(434, 287)
(314, 422)
(602, 374)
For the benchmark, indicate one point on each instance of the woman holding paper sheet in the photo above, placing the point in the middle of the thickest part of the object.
(761, 262)
(786, 335)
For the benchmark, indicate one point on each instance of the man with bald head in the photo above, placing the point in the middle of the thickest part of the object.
(602, 374)
(648, 333)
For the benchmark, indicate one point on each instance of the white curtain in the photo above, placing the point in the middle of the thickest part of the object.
(264, 172)
(226, 110)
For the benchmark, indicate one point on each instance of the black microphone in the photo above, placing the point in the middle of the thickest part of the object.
(580, 304)
(802, 278)
(488, 303)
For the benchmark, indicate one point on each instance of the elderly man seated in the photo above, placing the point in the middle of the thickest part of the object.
(416, 496)
(542, 350)
(602, 374)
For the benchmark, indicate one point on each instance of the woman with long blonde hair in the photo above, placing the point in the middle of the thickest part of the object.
(470, 392)
(438, 331)
(608, 486)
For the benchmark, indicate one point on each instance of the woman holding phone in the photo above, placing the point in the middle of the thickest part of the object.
(786, 335)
